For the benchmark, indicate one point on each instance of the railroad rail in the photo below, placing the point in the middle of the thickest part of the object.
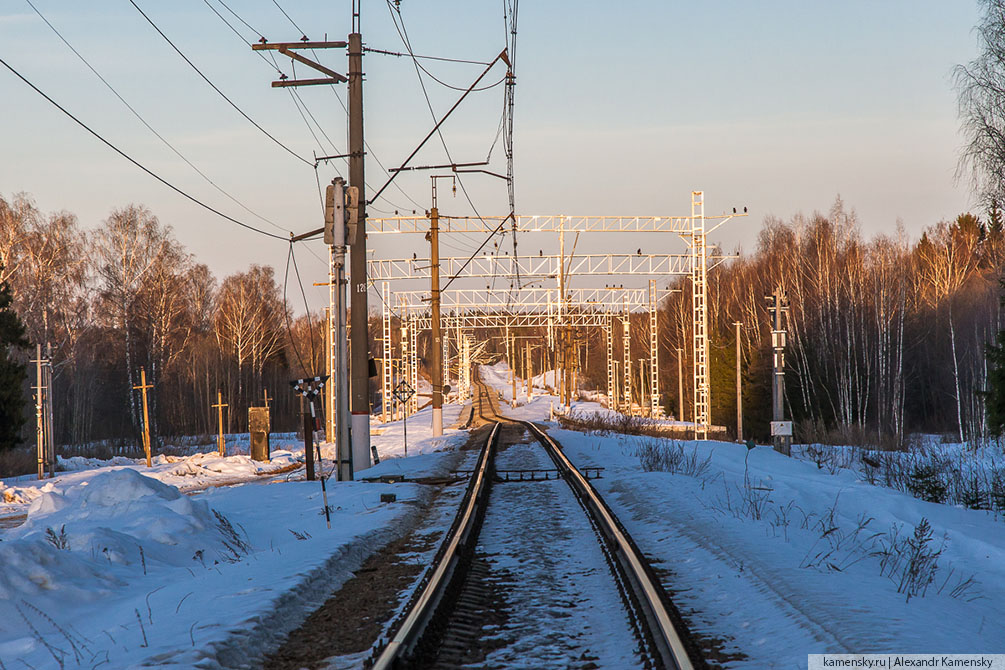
(415, 638)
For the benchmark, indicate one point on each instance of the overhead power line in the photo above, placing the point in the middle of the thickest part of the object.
(216, 88)
(147, 125)
(439, 58)
(137, 163)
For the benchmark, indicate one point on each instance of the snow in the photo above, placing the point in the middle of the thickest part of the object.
(547, 562)
(115, 566)
(771, 583)
(203, 561)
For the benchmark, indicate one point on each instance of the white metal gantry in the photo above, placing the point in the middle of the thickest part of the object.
(655, 408)
(532, 267)
(550, 223)
(476, 309)
(699, 285)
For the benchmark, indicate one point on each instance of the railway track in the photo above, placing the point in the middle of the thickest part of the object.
(498, 586)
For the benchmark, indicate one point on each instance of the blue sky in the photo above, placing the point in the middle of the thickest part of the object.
(622, 108)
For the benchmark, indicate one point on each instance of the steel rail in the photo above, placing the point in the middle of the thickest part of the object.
(668, 641)
(402, 646)
(669, 647)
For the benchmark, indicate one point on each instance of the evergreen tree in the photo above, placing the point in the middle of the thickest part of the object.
(994, 396)
(12, 372)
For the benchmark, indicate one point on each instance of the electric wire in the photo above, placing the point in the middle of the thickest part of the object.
(286, 313)
(440, 58)
(290, 19)
(216, 88)
(137, 163)
(371, 153)
(472, 257)
(307, 307)
(346, 109)
(140, 118)
(236, 16)
(403, 34)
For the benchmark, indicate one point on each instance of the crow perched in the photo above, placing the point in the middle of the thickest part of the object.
(734, 210)
(414, 256)
(744, 210)
(639, 252)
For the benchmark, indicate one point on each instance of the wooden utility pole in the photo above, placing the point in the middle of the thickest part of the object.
(39, 413)
(680, 385)
(739, 394)
(146, 416)
(265, 396)
(221, 446)
(511, 346)
(528, 364)
(642, 385)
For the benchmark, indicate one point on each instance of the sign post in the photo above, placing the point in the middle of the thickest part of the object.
(403, 392)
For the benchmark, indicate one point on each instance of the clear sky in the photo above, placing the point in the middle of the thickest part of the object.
(621, 108)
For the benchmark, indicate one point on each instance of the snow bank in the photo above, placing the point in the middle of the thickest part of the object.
(81, 541)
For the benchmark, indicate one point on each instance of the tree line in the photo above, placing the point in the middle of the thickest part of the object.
(885, 336)
(128, 295)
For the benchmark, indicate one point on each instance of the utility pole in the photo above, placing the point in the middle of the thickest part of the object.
(360, 350)
(50, 443)
(680, 385)
(436, 355)
(39, 412)
(739, 394)
(336, 215)
(528, 363)
(221, 446)
(511, 346)
(146, 416)
(265, 396)
(359, 368)
(642, 384)
(781, 430)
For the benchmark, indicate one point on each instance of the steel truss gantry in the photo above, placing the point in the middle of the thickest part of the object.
(476, 309)
(533, 267)
(552, 223)
(528, 299)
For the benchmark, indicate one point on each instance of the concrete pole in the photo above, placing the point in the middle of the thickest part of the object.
(360, 351)
(338, 382)
(436, 355)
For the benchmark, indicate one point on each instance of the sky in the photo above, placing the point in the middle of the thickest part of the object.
(621, 109)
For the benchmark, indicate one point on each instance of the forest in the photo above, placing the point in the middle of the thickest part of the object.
(887, 336)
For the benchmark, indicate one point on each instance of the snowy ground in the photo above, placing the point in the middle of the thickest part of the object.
(564, 610)
(764, 552)
(114, 566)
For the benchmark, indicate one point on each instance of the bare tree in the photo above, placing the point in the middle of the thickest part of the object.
(249, 321)
(980, 87)
(124, 252)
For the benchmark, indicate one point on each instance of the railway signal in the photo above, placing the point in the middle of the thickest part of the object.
(309, 388)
